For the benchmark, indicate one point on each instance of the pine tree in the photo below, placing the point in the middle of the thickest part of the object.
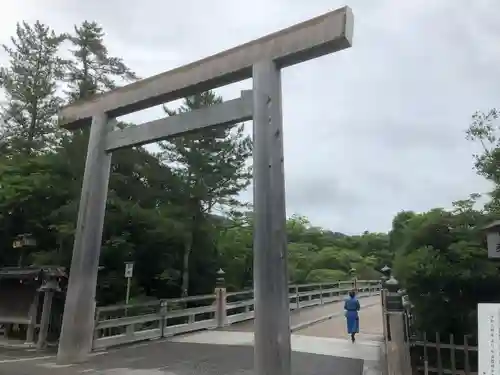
(213, 166)
(92, 70)
(30, 83)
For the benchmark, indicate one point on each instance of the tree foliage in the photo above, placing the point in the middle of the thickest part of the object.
(176, 212)
(30, 82)
(441, 256)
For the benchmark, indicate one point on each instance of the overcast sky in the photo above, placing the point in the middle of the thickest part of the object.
(369, 131)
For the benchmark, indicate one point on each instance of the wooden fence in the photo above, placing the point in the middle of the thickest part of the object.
(412, 353)
(444, 355)
(123, 324)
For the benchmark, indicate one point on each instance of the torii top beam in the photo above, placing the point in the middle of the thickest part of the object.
(318, 36)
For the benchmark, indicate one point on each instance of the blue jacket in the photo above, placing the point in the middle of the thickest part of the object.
(352, 304)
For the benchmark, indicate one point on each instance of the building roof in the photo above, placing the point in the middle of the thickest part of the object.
(493, 225)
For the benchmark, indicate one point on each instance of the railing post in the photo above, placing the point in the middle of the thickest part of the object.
(397, 344)
(129, 331)
(384, 315)
(30, 334)
(45, 319)
(321, 294)
(297, 299)
(96, 322)
(163, 317)
(398, 350)
(221, 307)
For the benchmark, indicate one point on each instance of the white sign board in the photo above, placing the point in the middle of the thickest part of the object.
(489, 338)
(493, 245)
(129, 270)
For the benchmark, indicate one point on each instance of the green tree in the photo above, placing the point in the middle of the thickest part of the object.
(92, 70)
(326, 276)
(300, 257)
(29, 192)
(443, 266)
(30, 81)
(235, 254)
(212, 165)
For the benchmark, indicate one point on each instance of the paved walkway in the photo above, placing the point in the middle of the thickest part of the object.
(178, 357)
(368, 354)
(319, 349)
(370, 319)
(328, 320)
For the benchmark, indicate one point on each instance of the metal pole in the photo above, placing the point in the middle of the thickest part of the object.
(272, 323)
(78, 321)
(127, 296)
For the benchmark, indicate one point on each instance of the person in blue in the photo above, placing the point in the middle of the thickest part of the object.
(351, 307)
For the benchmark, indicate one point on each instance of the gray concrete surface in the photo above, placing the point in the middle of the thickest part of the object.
(370, 325)
(313, 313)
(174, 358)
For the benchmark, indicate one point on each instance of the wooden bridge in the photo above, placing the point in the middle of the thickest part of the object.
(213, 334)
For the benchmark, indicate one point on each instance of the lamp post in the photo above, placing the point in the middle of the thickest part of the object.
(386, 272)
(220, 281)
(22, 241)
(221, 299)
(354, 277)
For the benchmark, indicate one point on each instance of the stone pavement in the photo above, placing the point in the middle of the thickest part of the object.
(370, 322)
(182, 358)
(370, 353)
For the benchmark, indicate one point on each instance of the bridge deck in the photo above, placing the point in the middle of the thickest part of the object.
(305, 321)
(202, 353)
(370, 318)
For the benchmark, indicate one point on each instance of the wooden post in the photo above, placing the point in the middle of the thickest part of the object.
(45, 320)
(466, 354)
(426, 356)
(77, 331)
(398, 355)
(272, 311)
(30, 334)
(297, 298)
(163, 313)
(452, 355)
(221, 307)
(438, 349)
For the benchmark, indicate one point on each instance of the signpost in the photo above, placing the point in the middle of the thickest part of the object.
(129, 271)
(488, 315)
(493, 239)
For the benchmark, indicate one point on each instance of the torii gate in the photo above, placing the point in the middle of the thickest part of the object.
(262, 60)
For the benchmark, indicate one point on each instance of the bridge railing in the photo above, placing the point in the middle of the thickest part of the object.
(123, 324)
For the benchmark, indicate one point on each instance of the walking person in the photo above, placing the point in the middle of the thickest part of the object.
(351, 307)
